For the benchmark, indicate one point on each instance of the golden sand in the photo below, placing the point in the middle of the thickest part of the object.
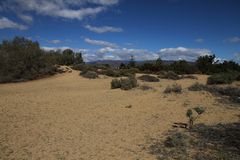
(70, 117)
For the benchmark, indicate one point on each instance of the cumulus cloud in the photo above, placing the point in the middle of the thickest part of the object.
(234, 39)
(26, 18)
(69, 9)
(103, 29)
(55, 41)
(199, 40)
(189, 54)
(7, 23)
(126, 53)
(110, 53)
(100, 43)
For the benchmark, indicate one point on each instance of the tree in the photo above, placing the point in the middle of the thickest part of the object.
(122, 66)
(67, 57)
(78, 58)
(132, 63)
(22, 59)
(205, 63)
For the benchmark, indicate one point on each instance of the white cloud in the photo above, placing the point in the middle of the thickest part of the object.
(69, 9)
(189, 54)
(55, 41)
(126, 53)
(234, 39)
(100, 43)
(199, 40)
(7, 23)
(26, 18)
(46, 48)
(109, 53)
(103, 29)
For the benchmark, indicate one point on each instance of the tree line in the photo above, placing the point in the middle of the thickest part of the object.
(22, 59)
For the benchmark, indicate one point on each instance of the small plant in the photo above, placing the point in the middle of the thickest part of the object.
(174, 88)
(89, 74)
(128, 83)
(222, 78)
(193, 117)
(189, 77)
(124, 83)
(170, 75)
(177, 140)
(115, 84)
(148, 78)
(197, 87)
(146, 87)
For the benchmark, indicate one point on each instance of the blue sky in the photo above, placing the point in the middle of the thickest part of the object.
(117, 29)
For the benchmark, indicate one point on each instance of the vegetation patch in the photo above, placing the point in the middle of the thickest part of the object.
(175, 88)
(89, 74)
(146, 87)
(197, 87)
(169, 75)
(221, 141)
(233, 93)
(222, 78)
(124, 83)
(148, 78)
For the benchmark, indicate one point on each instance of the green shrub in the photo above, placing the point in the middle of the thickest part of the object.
(199, 110)
(128, 83)
(148, 78)
(177, 140)
(222, 78)
(112, 73)
(170, 75)
(174, 88)
(197, 87)
(146, 87)
(89, 74)
(115, 84)
(124, 83)
(189, 77)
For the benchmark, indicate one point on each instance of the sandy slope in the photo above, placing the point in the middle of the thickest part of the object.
(69, 117)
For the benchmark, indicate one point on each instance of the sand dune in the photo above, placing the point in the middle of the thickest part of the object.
(70, 117)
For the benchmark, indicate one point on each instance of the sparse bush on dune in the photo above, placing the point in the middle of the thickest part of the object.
(197, 87)
(89, 74)
(189, 77)
(193, 117)
(175, 88)
(169, 75)
(146, 87)
(222, 78)
(112, 73)
(148, 78)
(115, 83)
(124, 83)
(232, 92)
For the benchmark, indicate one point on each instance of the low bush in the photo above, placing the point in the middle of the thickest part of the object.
(232, 92)
(89, 74)
(124, 83)
(222, 78)
(112, 73)
(189, 77)
(169, 75)
(174, 88)
(146, 87)
(115, 84)
(197, 87)
(177, 140)
(148, 78)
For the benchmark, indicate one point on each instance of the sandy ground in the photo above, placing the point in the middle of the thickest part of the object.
(70, 117)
